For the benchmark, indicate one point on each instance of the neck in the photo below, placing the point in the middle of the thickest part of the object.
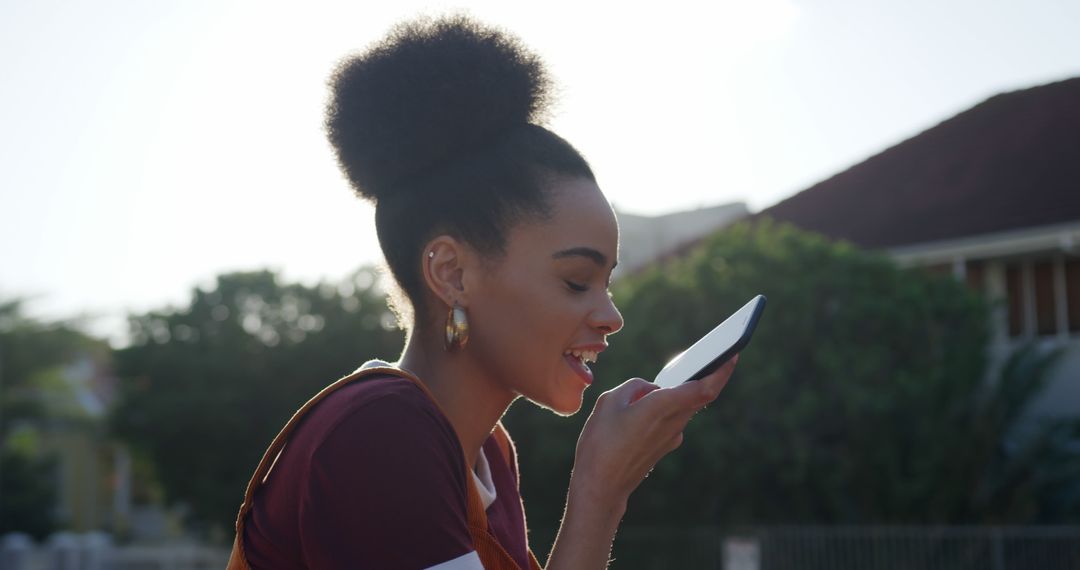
(470, 397)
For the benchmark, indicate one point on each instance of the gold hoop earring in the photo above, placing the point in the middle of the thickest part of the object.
(457, 329)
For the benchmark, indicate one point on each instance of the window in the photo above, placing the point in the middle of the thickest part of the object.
(1041, 292)
(1045, 308)
(938, 269)
(976, 276)
(1014, 292)
(1072, 293)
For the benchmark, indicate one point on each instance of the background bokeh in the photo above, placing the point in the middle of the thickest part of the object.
(183, 266)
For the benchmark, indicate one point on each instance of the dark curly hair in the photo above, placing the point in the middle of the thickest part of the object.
(439, 125)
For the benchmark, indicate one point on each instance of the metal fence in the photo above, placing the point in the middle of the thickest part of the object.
(95, 551)
(665, 548)
(851, 548)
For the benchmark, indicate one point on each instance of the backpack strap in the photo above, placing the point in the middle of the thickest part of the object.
(491, 553)
(506, 446)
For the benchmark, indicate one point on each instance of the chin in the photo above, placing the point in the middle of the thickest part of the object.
(563, 396)
(565, 406)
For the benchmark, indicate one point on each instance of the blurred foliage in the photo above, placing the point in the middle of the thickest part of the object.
(29, 493)
(860, 399)
(1030, 471)
(32, 354)
(33, 395)
(205, 388)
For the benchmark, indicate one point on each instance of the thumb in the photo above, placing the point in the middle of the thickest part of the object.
(627, 393)
(635, 390)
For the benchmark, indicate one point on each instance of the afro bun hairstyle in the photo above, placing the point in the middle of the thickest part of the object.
(438, 125)
(432, 89)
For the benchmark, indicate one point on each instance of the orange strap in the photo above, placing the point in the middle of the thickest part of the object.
(491, 553)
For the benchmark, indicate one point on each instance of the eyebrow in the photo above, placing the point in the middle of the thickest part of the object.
(588, 252)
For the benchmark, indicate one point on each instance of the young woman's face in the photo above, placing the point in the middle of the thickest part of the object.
(548, 298)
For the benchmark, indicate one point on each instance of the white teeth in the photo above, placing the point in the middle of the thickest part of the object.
(583, 355)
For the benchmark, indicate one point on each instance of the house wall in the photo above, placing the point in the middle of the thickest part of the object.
(1032, 279)
(1017, 321)
(83, 473)
(1062, 395)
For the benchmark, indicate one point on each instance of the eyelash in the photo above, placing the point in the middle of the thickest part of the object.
(575, 287)
(579, 288)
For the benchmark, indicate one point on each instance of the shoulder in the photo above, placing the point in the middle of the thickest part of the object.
(387, 464)
(382, 388)
(387, 431)
(381, 430)
(386, 408)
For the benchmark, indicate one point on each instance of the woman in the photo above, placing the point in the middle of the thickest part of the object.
(503, 246)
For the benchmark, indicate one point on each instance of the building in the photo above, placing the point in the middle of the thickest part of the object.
(92, 472)
(991, 195)
(644, 239)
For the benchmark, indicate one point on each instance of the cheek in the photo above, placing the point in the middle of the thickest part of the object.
(522, 332)
(516, 324)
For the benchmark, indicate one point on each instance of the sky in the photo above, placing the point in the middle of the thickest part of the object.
(146, 147)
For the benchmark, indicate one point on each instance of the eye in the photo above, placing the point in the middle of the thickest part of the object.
(576, 287)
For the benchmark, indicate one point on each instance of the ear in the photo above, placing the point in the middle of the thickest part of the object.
(447, 266)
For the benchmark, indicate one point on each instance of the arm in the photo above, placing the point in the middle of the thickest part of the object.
(629, 430)
(587, 530)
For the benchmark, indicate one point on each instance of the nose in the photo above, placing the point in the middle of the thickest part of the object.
(606, 318)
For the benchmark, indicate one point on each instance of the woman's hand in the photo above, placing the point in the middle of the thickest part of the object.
(631, 428)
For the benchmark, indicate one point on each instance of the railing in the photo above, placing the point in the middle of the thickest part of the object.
(94, 551)
(851, 548)
(924, 548)
(664, 548)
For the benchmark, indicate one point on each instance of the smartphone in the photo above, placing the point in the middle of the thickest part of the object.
(715, 348)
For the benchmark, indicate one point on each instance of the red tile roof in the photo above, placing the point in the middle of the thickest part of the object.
(1010, 162)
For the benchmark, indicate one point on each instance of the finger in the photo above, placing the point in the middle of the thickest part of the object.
(697, 394)
(631, 391)
(668, 402)
(642, 391)
(675, 442)
(693, 395)
(714, 383)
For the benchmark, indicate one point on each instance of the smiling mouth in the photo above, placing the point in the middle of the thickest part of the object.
(585, 356)
(578, 361)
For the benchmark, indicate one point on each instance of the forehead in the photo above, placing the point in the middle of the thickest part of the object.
(580, 217)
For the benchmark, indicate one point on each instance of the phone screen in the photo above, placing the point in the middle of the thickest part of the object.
(715, 348)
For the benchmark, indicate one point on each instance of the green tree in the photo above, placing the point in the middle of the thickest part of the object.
(32, 353)
(860, 400)
(204, 388)
(27, 489)
(29, 348)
